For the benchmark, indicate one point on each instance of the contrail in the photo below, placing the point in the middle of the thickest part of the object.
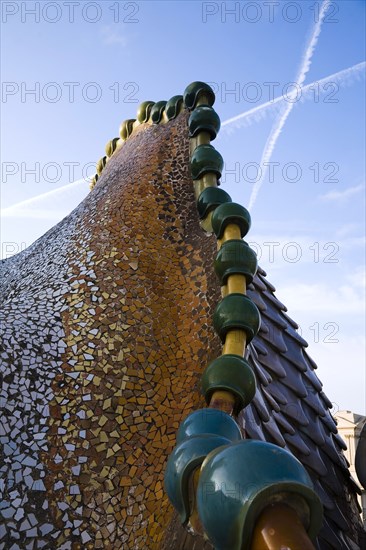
(341, 78)
(22, 206)
(243, 119)
(283, 115)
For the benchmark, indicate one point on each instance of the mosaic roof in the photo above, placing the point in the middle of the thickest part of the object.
(107, 328)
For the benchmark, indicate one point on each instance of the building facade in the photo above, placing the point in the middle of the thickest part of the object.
(349, 426)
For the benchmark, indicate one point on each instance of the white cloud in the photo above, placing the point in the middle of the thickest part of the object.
(111, 36)
(332, 321)
(286, 250)
(358, 277)
(342, 195)
(348, 229)
(322, 298)
(341, 368)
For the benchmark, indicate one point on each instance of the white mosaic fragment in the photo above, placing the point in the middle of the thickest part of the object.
(7, 512)
(33, 341)
(25, 525)
(38, 485)
(77, 522)
(73, 375)
(65, 546)
(46, 528)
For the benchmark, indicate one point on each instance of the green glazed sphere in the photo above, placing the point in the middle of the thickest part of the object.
(226, 214)
(94, 181)
(157, 111)
(126, 128)
(101, 164)
(204, 119)
(111, 146)
(209, 421)
(209, 199)
(230, 373)
(144, 110)
(238, 481)
(236, 311)
(185, 457)
(235, 257)
(195, 91)
(206, 159)
(173, 106)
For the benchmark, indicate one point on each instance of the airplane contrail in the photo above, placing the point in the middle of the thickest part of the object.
(21, 207)
(341, 78)
(283, 115)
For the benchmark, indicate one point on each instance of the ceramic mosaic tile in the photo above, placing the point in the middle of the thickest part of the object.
(106, 329)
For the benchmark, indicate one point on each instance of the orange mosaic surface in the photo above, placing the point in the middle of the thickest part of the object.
(153, 330)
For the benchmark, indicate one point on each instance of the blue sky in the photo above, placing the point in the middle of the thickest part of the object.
(92, 63)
